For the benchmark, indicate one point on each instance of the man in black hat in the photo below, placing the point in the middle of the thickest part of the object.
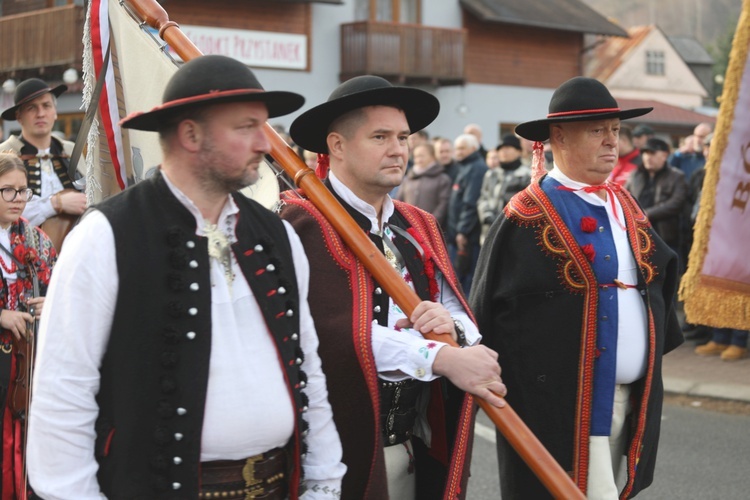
(397, 398)
(191, 371)
(661, 191)
(575, 292)
(501, 184)
(641, 134)
(46, 158)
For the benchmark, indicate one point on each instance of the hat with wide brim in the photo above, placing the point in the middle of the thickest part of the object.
(208, 80)
(579, 99)
(27, 91)
(310, 129)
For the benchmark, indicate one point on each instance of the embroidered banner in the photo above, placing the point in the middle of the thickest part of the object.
(135, 78)
(134, 81)
(716, 286)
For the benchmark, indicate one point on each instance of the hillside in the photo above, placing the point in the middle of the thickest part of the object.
(705, 20)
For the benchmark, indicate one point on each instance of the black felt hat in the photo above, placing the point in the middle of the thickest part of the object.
(509, 140)
(207, 80)
(310, 129)
(27, 91)
(578, 99)
(642, 130)
(655, 144)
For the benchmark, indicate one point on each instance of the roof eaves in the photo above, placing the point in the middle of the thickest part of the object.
(486, 14)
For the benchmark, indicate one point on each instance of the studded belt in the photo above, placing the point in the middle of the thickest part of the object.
(261, 477)
(398, 409)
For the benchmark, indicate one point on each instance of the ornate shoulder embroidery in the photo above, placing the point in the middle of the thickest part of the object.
(524, 209)
(552, 236)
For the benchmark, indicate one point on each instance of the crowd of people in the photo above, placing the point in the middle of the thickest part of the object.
(265, 360)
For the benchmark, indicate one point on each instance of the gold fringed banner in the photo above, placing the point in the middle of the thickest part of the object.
(716, 286)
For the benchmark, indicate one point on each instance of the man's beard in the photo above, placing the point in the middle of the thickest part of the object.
(217, 179)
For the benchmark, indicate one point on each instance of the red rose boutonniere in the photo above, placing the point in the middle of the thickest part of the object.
(588, 224)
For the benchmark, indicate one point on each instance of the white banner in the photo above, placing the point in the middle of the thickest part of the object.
(259, 49)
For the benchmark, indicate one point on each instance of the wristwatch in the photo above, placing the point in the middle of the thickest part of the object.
(460, 332)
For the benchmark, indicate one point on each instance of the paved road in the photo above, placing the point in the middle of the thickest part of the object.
(704, 455)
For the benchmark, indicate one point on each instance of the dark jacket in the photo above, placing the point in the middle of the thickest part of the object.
(670, 194)
(462, 208)
(534, 298)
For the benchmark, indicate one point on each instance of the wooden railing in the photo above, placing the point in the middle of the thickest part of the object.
(407, 53)
(42, 38)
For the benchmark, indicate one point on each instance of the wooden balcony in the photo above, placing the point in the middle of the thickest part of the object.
(403, 53)
(42, 39)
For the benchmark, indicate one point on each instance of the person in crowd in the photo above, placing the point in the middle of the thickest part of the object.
(575, 291)
(26, 256)
(492, 160)
(444, 154)
(689, 158)
(398, 399)
(500, 184)
(426, 186)
(463, 228)
(209, 385)
(476, 131)
(661, 191)
(641, 134)
(57, 197)
(700, 334)
(417, 139)
(629, 157)
(728, 343)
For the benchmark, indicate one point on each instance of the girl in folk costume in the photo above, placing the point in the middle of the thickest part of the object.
(26, 256)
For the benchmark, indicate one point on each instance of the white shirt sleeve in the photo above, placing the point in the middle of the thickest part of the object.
(323, 467)
(403, 354)
(38, 210)
(73, 336)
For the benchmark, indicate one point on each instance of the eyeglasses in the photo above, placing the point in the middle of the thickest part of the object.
(9, 194)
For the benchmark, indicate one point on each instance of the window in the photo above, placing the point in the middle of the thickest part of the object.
(399, 11)
(654, 62)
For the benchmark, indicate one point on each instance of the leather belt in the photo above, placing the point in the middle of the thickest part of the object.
(261, 477)
(398, 409)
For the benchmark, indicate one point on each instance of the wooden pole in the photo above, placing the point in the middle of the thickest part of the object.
(506, 419)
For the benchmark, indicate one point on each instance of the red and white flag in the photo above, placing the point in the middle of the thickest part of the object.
(716, 286)
(139, 67)
(134, 80)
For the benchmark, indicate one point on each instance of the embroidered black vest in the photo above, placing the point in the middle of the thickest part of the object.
(154, 374)
(60, 162)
